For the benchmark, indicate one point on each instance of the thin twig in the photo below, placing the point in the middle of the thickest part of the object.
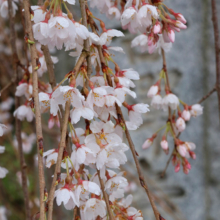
(49, 64)
(111, 217)
(23, 165)
(167, 164)
(207, 96)
(7, 86)
(217, 47)
(86, 42)
(59, 160)
(34, 57)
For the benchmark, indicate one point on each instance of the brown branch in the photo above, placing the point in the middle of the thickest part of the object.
(59, 160)
(207, 96)
(111, 217)
(7, 86)
(34, 57)
(165, 69)
(86, 42)
(167, 164)
(217, 47)
(140, 174)
(23, 165)
(49, 64)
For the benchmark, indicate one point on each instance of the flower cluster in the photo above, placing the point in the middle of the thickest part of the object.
(176, 122)
(156, 22)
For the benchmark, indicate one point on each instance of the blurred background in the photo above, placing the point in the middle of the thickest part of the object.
(191, 68)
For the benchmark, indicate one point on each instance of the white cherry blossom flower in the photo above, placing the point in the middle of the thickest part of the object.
(43, 65)
(134, 115)
(4, 9)
(24, 112)
(156, 101)
(51, 157)
(113, 12)
(115, 186)
(39, 14)
(93, 208)
(3, 172)
(24, 89)
(152, 91)
(196, 110)
(2, 128)
(106, 36)
(7, 104)
(41, 32)
(66, 196)
(27, 142)
(102, 6)
(170, 100)
(130, 20)
(145, 15)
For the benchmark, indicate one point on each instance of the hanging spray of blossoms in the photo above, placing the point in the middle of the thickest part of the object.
(92, 93)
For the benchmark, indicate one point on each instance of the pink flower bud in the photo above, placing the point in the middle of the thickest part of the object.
(164, 144)
(181, 18)
(186, 115)
(174, 160)
(147, 143)
(185, 170)
(171, 35)
(157, 28)
(152, 91)
(180, 124)
(182, 150)
(180, 25)
(177, 168)
(192, 155)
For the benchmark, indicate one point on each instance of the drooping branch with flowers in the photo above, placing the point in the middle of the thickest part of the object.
(89, 103)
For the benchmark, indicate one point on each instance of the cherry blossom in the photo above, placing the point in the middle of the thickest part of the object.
(196, 110)
(4, 9)
(93, 208)
(24, 112)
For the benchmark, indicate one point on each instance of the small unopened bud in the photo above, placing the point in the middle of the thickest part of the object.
(157, 28)
(116, 80)
(68, 180)
(180, 124)
(186, 115)
(164, 144)
(181, 18)
(192, 155)
(70, 15)
(177, 168)
(149, 142)
(180, 25)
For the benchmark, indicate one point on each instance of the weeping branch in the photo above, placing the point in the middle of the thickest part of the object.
(34, 56)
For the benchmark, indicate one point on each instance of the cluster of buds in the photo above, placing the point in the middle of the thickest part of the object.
(176, 122)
